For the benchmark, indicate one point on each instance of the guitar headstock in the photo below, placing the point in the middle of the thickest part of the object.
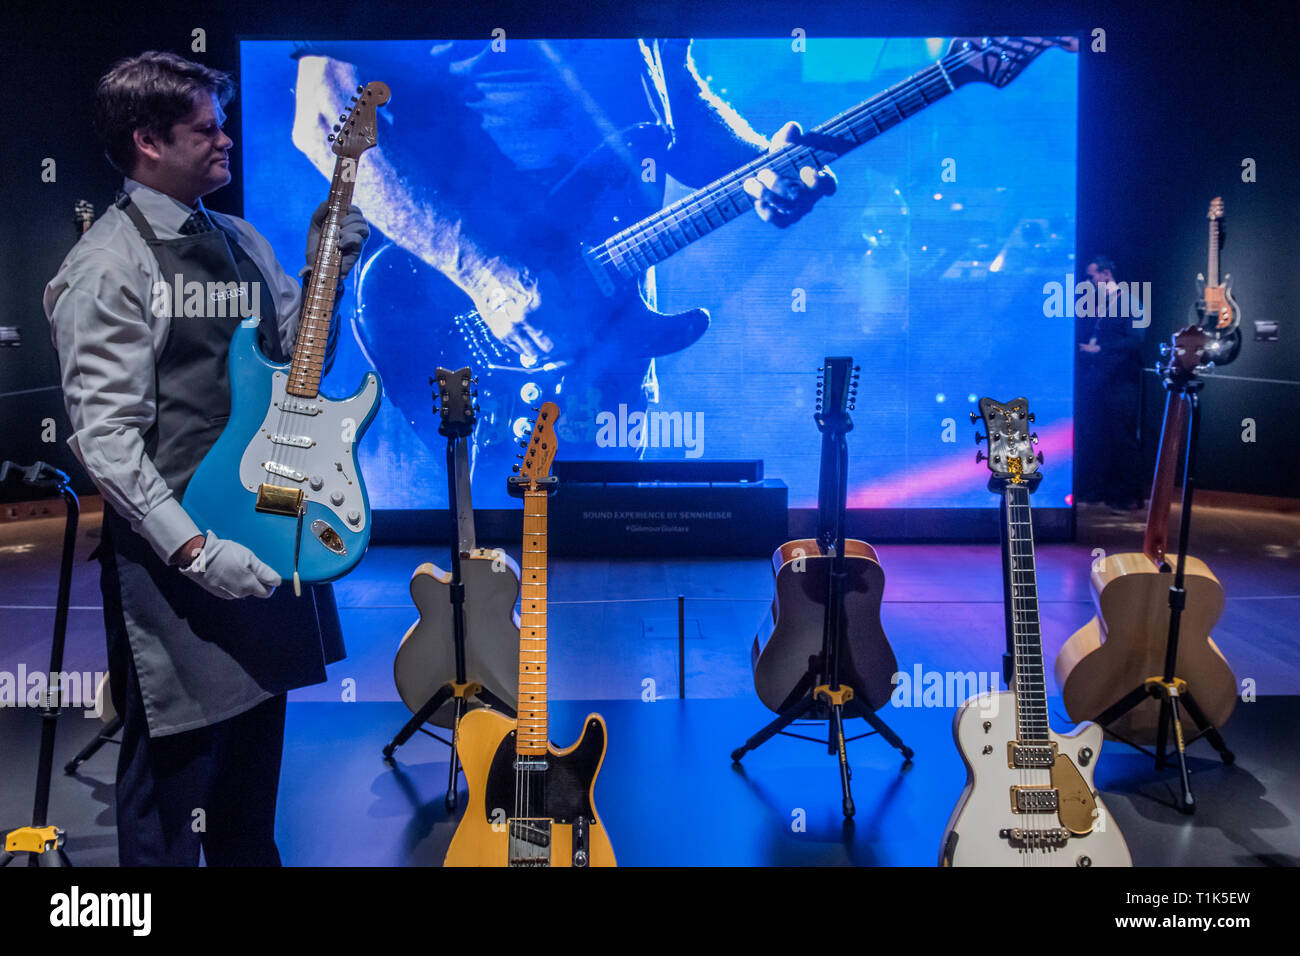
(456, 408)
(1011, 454)
(83, 215)
(358, 129)
(1216, 208)
(837, 394)
(1189, 352)
(539, 449)
(998, 60)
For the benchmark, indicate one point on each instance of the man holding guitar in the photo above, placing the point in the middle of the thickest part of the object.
(198, 671)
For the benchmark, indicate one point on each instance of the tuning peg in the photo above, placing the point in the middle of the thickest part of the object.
(857, 368)
(1040, 457)
(1034, 438)
(1031, 416)
(974, 418)
(820, 369)
(360, 87)
(1165, 349)
(342, 117)
(330, 138)
(980, 456)
(979, 438)
(852, 407)
(524, 443)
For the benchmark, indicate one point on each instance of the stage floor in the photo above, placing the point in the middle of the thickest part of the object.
(668, 792)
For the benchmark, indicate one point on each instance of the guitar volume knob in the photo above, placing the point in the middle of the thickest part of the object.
(354, 517)
(317, 482)
(336, 497)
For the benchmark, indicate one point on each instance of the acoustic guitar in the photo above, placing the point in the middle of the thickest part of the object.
(1125, 643)
(529, 803)
(789, 642)
(1029, 798)
(426, 658)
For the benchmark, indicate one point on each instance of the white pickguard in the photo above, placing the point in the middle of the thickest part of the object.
(984, 810)
(326, 468)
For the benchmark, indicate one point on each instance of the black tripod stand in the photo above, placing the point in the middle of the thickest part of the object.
(1168, 688)
(40, 837)
(457, 425)
(819, 694)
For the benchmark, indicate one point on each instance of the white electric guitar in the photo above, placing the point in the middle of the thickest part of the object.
(1029, 799)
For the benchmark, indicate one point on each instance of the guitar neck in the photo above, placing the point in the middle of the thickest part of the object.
(532, 718)
(694, 216)
(318, 297)
(1156, 538)
(1029, 684)
(1212, 273)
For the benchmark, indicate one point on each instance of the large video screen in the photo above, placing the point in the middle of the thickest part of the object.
(529, 198)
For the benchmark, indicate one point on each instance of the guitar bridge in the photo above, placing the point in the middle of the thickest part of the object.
(278, 500)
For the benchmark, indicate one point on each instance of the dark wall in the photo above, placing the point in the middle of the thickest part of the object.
(1167, 114)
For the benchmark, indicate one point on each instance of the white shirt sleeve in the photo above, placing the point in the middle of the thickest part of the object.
(105, 347)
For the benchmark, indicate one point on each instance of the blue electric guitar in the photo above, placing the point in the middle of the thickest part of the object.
(282, 479)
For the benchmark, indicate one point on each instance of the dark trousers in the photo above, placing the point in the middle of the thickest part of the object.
(213, 787)
(1110, 460)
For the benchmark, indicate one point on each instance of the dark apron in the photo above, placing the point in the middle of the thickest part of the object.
(201, 659)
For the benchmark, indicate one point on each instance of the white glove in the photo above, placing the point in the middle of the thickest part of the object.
(229, 570)
(353, 233)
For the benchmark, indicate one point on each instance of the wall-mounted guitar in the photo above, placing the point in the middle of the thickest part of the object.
(463, 650)
(529, 803)
(1029, 799)
(822, 652)
(1216, 308)
(602, 227)
(282, 479)
(1125, 644)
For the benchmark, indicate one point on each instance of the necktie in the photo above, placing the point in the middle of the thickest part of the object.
(197, 223)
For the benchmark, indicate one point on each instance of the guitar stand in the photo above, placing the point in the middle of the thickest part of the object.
(40, 837)
(461, 689)
(824, 699)
(1168, 688)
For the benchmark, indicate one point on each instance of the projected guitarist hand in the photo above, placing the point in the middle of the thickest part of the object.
(783, 201)
(505, 295)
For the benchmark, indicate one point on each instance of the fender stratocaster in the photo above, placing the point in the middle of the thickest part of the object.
(282, 479)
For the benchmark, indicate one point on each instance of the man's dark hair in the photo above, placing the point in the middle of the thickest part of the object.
(1103, 264)
(150, 91)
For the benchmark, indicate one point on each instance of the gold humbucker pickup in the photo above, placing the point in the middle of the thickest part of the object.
(1035, 839)
(1031, 755)
(278, 500)
(1035, 799)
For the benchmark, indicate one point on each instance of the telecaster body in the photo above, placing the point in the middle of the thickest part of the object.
(984, 830)
(313, 444)
(426, 658)
(490, 827)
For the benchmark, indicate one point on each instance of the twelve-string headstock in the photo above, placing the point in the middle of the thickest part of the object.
(837, 394)
(456, 408)
(1011, 454)
(998, 60)
(358, 129)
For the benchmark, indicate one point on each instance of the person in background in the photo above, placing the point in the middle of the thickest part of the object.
(1110, 368)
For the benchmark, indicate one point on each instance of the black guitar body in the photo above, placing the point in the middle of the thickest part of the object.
(603, 331)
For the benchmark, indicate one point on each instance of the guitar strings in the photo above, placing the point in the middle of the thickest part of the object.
(696, 201)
